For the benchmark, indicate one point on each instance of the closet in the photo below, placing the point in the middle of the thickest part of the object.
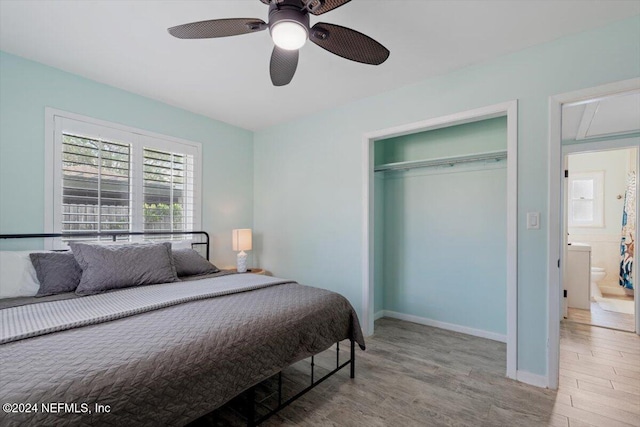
(440, 226)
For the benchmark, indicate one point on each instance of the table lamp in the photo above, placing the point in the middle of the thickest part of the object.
(242, 242)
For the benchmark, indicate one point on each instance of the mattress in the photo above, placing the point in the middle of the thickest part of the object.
(162, 360)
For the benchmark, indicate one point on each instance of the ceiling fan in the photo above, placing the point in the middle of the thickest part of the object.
(289, 28)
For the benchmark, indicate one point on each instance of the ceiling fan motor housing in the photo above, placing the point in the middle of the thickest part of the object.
(288, 10)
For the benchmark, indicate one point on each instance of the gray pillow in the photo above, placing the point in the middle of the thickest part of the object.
(122, 266)
(190, 263)
(58, 272)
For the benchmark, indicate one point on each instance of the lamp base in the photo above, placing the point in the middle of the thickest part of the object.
(242, 262)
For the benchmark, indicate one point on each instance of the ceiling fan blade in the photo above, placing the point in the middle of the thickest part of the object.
(348, 43)
(283, 66)
(217, 28)
(318, 7)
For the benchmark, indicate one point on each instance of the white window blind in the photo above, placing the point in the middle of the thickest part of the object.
(107, 177)
(167, 191)
(96, 185)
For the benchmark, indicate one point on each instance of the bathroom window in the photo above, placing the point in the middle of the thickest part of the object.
(586, 194)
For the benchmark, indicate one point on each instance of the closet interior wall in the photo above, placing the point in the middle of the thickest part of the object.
(440, 236)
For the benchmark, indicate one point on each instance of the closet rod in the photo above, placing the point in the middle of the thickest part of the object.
(490, 155)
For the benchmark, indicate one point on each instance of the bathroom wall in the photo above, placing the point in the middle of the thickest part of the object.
(605, 241)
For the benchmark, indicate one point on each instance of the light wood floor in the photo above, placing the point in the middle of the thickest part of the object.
(414, 375)
(599, 317)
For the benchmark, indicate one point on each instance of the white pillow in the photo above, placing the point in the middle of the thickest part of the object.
(175, 244)
(17, 275)
(181, 244)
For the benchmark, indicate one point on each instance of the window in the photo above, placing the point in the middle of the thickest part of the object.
(105, 177)
(166, 191)
(586, 199)
(96, 184)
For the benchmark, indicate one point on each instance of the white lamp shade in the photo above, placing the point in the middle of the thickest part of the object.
(241, 239)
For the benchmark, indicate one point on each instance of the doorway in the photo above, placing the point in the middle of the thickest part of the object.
(599, 139)
(599, 200)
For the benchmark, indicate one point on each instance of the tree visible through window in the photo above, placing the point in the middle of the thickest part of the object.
(96, 181)
(165, 190)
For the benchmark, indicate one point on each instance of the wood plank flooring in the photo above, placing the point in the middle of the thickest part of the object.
(414, 375)
(599, 317)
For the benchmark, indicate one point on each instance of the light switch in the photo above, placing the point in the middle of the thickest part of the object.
(533, 220)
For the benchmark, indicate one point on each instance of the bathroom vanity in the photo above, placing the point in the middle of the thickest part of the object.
(578, 276)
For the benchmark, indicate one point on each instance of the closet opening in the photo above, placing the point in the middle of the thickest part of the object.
(441, 234)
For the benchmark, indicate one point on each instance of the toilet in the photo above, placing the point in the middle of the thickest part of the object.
(597, 274)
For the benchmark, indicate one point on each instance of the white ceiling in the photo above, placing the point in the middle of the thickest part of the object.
(125, 44)
(614, 115)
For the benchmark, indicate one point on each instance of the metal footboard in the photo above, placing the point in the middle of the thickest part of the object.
(251, 393)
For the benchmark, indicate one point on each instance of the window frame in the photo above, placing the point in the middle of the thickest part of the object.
(598, 199)
(139, 139)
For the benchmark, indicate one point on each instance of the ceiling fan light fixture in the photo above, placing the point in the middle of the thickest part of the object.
(289, 35)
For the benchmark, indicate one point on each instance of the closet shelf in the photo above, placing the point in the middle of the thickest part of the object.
(443, 161)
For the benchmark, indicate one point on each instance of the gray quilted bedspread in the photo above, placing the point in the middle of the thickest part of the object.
(174, 363)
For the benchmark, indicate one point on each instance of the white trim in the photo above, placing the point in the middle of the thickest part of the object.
(52, 151)
(508, 109)
(443, 325)
(368, 228)
(50, 112)
(49, 152)
(512, 238)
(612, 144)
(532, 379)
(554, 238)
(378, 315)
(554, 244)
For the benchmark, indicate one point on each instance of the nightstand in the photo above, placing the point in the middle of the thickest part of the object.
(259, 271)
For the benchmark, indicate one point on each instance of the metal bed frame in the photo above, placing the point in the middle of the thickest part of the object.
(251, 392)
(113, 235)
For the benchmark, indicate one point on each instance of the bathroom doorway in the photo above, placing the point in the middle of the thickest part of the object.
(600, 149)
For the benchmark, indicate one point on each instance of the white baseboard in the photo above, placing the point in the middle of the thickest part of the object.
(378, 315)
(532, 379)
(442, 325)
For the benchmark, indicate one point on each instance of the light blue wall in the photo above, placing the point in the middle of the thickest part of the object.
(308, 173)
(27, 87)
(470, 138)
(445, 245)
(444, 248)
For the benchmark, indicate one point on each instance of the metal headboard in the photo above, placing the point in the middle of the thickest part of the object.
(114, 235)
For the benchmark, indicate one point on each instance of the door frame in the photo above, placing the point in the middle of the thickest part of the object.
(507, 109)
(555, 211)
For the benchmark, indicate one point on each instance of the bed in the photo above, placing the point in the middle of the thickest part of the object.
(160, 354)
